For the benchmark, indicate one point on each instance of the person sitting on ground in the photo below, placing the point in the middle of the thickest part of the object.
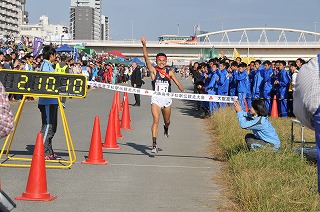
(257, 120)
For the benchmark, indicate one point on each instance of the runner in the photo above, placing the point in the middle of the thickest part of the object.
(161, 81)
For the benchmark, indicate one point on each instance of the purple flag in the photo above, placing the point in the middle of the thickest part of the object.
(76, 54)
(37, 46)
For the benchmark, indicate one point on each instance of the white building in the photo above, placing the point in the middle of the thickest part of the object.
(49, 32)
(11, 16)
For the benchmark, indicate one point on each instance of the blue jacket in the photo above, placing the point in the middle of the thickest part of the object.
(223, 82)
(46, 66)
(260, 126)
(212, 86)
(256, 87)
(243, 81)
(284, 81)
(233, 80)
(267, 74)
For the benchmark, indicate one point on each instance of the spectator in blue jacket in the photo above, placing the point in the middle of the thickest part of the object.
(257, 81)
(267, 86)
(212, 87)
(232, 79)
(48, 107)
(256, 119)
(242, 82)
(283, 82)
(223, 81)
(252, 73)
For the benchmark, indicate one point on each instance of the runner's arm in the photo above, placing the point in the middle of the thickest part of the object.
(145, 55)
(176, 81)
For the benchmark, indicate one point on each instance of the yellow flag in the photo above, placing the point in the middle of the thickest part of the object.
(235, 53)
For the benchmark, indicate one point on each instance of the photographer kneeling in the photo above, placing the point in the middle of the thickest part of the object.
(257, 120)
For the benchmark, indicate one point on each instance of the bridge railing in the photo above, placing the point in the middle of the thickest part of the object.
(206, 44)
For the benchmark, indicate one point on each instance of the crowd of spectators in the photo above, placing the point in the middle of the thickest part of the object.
(18, 56)
(257, 80)
(217, 76)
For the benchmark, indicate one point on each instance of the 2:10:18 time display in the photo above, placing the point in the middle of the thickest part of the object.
(43, 83)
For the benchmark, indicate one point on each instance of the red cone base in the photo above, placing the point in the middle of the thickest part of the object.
(36, 189)
(95, 153)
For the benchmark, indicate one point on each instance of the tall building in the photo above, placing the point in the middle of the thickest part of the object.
(12, 15)
(86, 20)
(104, 28)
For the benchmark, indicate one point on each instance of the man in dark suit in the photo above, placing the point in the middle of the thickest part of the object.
(136, 82)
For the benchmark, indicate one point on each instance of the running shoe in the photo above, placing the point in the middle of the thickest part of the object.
(166, 131)
(154, 149)
(49, 157)
(57, 157)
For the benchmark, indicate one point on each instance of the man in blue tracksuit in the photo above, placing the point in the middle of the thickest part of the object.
(212, 87)
(257, 81)
(251, 75)
(232, 79)
(242, 81)
(206, 76)
(283, 82)
(223, 81)
(48, 107)
(267, 86)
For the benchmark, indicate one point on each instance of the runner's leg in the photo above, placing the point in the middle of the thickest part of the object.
(155, 110)
(166, 113)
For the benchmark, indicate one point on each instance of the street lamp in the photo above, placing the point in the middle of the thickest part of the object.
(178, 29)
(61, 40)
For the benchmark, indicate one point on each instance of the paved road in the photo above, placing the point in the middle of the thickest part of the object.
(178, 178)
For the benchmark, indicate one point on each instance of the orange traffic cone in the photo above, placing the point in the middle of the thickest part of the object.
(114, 101)
(125, 96)
(274, 110)
(125, 120)
(118, 100)
(36, 189)
(117, 122)
(110, 141)
(95, 153)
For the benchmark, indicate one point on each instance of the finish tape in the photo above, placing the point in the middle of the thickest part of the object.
(185, 96)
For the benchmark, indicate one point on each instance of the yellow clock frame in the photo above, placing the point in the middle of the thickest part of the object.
(51, 84)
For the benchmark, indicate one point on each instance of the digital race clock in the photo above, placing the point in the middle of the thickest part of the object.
(43, 83)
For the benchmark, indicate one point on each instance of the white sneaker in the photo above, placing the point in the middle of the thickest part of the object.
(154, 149)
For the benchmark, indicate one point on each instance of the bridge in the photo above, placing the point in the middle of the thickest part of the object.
(260, 43)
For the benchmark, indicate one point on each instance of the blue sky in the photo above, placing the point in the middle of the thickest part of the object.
(151, 18)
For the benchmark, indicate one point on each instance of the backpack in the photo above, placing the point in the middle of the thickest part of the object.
(6, 116)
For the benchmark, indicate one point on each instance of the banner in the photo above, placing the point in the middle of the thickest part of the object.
(184, 96)
(37, 46)
(76, 54)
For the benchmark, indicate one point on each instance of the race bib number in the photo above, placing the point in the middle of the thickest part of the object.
(162, 86)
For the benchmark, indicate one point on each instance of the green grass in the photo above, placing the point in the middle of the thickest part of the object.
(264, 180)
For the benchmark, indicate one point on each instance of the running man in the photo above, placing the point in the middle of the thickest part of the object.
(161, 81)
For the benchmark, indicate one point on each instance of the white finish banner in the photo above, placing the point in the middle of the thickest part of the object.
(185, 96)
